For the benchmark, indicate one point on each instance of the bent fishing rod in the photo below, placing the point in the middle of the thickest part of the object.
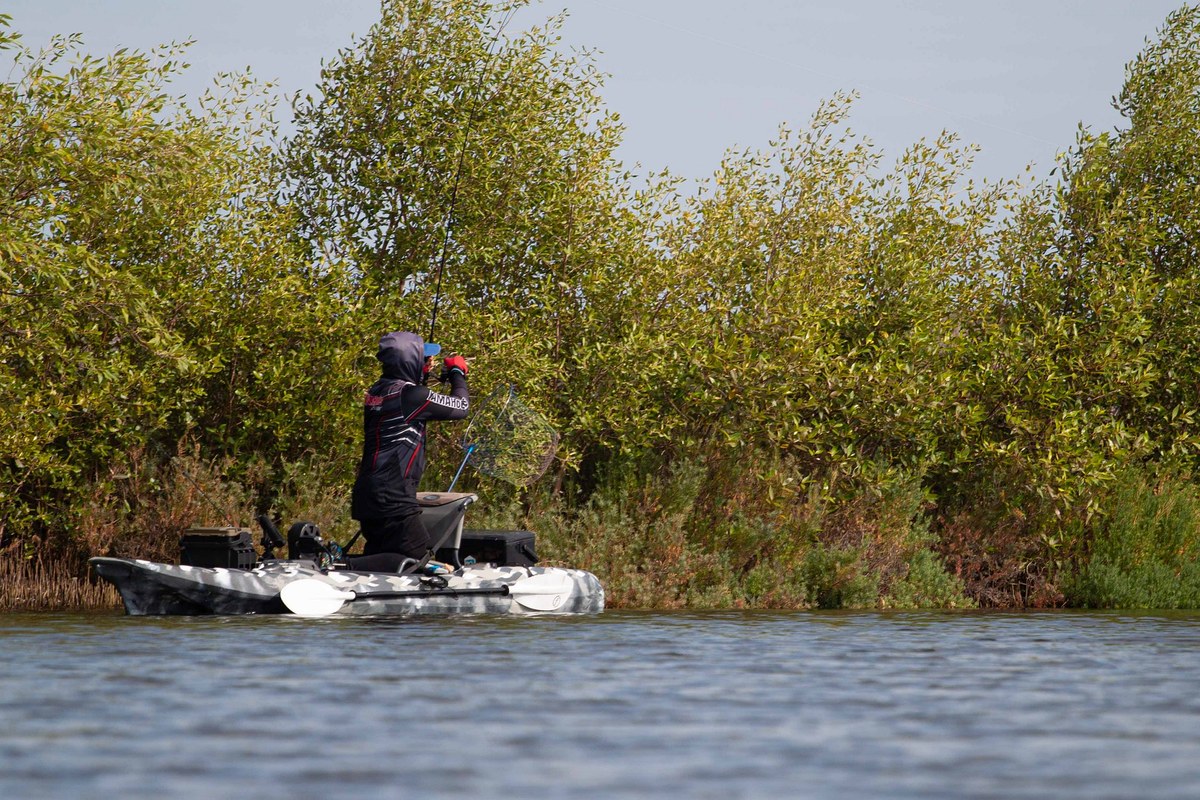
(448, 220)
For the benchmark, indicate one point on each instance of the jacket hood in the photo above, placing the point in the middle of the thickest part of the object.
(402, 355)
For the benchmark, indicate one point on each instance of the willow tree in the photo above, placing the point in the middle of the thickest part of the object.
(442, 131)
(1119, 304)
(152, 287)
(466, 170)
(98, 198)
(1128, 249)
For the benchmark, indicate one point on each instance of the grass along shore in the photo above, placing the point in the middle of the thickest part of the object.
(51, 587)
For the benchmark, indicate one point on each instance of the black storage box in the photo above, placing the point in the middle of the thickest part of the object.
(217, 547)
(502, 548)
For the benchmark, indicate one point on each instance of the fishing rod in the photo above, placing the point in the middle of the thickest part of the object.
(449, 217)
(462, 157)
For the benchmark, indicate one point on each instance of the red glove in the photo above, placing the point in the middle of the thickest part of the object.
(454, 362)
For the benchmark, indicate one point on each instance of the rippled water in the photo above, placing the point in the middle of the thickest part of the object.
(719, 705)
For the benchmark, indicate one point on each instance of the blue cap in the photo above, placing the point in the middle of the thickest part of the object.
(432, 350)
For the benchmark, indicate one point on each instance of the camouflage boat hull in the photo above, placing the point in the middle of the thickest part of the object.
(148, 587)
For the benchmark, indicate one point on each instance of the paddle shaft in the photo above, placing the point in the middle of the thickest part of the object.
(495, 590)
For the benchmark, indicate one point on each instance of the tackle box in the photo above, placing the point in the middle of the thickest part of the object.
(502, 548)
(217, 547)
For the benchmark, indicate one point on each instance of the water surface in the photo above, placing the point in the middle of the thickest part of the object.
(721, 705)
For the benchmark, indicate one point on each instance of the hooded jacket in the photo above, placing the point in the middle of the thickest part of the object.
(395, 410)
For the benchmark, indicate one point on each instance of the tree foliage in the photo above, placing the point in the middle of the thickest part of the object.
(854, 370)
(153, 289)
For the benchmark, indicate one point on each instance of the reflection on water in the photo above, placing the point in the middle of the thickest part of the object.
(620, 705)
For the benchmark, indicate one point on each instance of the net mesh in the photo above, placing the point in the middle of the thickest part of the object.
(509, 440)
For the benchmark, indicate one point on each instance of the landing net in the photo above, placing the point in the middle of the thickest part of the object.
(507, 439)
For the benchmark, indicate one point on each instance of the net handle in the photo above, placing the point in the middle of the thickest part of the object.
(467, 457)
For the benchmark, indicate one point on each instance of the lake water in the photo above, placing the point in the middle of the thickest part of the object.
(720, 705)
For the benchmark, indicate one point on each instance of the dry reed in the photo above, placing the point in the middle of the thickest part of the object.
(28, 586)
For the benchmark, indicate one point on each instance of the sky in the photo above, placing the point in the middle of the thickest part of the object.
(692, 79)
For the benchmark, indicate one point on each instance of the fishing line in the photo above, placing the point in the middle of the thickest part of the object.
(462, 156)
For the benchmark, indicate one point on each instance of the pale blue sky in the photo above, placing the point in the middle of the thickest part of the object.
(691, 78)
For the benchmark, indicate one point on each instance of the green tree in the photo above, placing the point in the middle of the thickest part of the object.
(99, 196)
(154, 289)
(1127, 258)
(440, 134)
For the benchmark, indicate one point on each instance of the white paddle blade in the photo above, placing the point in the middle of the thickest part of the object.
(309, 597)
(545, 592)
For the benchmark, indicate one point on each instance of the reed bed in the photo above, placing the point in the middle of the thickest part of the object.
(26, 586)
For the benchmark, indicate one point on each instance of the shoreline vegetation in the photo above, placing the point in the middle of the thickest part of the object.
(52, 587)
(829, 377)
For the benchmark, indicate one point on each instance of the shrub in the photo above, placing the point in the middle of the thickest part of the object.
(1146, 549)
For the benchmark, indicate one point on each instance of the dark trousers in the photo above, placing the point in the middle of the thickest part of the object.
(404, 535)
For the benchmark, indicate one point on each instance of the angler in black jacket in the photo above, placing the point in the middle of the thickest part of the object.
(395, 411)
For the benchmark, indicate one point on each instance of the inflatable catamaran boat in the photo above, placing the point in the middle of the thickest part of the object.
(483, 572)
